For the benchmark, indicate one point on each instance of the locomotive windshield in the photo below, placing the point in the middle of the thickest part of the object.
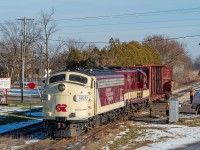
(77, 78)
(57, 78)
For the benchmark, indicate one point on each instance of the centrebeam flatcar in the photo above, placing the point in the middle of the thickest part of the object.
(75, 101)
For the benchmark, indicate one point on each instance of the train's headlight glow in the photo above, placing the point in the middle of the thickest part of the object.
(48, 113)
(61, 87)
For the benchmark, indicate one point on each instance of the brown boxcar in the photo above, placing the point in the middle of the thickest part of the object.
(158, 79)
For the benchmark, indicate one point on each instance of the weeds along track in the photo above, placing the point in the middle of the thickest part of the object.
(91, 136)
(75, 143)
(25, 131)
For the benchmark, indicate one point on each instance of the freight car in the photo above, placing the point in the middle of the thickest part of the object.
(159, 77)
(75, 101)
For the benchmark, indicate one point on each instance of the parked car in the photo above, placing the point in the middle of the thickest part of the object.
(196, 102)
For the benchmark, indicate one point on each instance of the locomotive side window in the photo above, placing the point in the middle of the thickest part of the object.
(77, 78)
(139, 77)
(57, 78)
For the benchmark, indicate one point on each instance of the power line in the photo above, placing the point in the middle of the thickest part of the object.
(122, 30)
(101, 42)
(185, 10)
(124, 23)
(78, 41)
(131, 14)
(183, 37)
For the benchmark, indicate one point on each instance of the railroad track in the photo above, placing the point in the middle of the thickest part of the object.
(73, 143)
(183, 91)
(98, 130)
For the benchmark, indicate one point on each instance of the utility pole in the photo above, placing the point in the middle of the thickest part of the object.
(41, 83)
(22, 73)
(23, 58)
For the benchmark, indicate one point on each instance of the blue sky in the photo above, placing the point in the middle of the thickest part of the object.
(164, 21)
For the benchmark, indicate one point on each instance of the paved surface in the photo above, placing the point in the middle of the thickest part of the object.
(186, 109)
(192, 146)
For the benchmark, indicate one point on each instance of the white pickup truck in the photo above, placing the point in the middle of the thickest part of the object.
(196, 102)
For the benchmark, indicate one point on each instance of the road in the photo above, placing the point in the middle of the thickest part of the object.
(192, 146)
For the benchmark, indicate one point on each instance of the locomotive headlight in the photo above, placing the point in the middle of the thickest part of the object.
(61, 87)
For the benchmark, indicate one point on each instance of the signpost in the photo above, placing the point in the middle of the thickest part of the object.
(5, 84)
(31, 86)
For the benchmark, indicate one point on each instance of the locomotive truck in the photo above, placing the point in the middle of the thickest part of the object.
(76, 101)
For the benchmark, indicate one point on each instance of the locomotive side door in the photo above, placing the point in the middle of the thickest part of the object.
(92, 98)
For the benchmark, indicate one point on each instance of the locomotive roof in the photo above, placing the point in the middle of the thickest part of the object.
(107, 72)
(97, 72)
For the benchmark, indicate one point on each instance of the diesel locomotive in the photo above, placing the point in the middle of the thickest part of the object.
(76, 101)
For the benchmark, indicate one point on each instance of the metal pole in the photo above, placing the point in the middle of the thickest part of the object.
(22, 74)
(23, 59)
(30, 101)
(41, 82)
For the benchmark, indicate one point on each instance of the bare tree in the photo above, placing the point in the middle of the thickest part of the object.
(76, 44)
(57, 56)
(48, 29)
(171, 51)
(10, 47)
(196, 63)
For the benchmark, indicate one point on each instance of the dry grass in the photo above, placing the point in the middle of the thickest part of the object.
(110, 138)
(127, 140)
(116, 141)
(93, 146)
(8, 143)
(189, 76)
(189, 122)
